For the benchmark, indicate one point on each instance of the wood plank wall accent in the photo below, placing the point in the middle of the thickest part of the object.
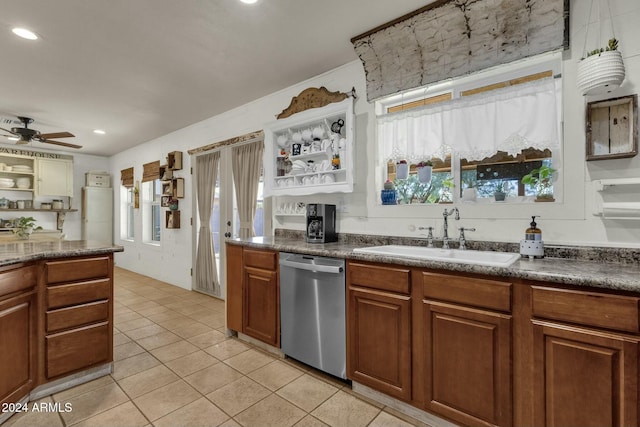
(451, 38)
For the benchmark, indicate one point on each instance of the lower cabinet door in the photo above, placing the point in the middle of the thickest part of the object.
(379, 341)
(17, 349)
(260, 314)
(467, 356)
(584, 377)
(77, 349)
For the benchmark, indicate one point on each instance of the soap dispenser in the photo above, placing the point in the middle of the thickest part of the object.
(532, 246)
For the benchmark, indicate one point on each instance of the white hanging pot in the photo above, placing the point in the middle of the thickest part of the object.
(424, 174)
(600, 73)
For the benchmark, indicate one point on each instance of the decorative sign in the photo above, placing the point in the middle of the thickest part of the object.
(612, 131)
(452, 38)
(34, 154)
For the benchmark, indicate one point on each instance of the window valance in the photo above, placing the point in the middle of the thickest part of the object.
(151, 171)
(126, 177)
(477, 126)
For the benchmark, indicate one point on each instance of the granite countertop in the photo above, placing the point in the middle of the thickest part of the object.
(577, 272)
(25, 250)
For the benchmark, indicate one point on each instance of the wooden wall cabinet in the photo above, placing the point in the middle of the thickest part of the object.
(18, 332)
(379, 327)
(253, 293)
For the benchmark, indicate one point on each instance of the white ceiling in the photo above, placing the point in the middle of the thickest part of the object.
(140, 69)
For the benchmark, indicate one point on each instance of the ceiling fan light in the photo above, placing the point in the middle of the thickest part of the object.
(24, 33)
(249, 1)
(13, 138)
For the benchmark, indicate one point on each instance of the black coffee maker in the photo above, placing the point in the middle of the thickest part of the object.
(321, 223)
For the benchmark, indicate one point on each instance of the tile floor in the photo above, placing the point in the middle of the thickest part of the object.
(174, 366)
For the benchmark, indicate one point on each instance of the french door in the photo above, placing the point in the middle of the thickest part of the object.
(224, 216)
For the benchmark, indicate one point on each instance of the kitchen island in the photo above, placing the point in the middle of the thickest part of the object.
(56, 317)
(553, 341)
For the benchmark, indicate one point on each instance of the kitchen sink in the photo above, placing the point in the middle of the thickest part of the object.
(492, 259)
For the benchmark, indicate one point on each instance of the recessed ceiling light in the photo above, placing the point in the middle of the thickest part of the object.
(99, 131)
(249, 1)
(25, 34)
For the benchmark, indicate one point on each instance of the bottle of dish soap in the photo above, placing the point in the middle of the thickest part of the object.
(533, 232)
(532, 246)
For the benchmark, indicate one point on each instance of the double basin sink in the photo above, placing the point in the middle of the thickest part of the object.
(486, 258)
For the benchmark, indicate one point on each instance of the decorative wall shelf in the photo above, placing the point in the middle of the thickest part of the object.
(172, 219)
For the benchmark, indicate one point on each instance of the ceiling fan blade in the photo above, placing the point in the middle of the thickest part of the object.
(7, 130)
(63, 144)
(56, 135)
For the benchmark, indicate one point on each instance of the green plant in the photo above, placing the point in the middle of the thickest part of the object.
(24, 226)
(501, 187)
(424, 163)
(611, 45)
(542, 180)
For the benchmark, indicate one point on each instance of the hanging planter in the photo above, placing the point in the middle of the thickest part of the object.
(424, 171)
(402, 170)
(601, 72)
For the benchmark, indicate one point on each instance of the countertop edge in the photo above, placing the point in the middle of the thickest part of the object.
(18, 252)
(571, 272)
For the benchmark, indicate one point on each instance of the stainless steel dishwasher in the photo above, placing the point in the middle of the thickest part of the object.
(312, 311)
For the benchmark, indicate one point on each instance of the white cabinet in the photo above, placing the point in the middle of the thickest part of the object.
(54, 177)
(16, 172)
(325, 153)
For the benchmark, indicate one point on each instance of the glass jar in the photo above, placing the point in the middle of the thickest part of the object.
(57, 204)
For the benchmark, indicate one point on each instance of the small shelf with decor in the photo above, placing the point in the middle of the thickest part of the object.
(174, 160)
(173, 188)
(172, 219)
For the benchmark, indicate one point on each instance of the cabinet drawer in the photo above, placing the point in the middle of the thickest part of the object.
(16, 279)
(78, 293)
(490, 294)
(387, 278)
(75, 316)
(77, 349)
(586, 308)
(76, 269)
(260, 259)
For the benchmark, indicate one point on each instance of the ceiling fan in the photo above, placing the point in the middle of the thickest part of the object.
(27, 135)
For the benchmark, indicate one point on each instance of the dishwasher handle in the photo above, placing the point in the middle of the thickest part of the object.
(335, 269)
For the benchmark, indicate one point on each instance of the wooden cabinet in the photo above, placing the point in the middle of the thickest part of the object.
(78, 331)
(18, 319)
(585, 360)
(379, 328)
(253, 298)
(54, 177)
(466, 348)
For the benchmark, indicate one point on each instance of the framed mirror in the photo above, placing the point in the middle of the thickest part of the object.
(612, 128)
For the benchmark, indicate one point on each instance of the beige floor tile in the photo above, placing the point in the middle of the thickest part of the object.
(212, 378)
(226, 349)
(120, 338)
(122, 415)
(199, 312)
(230, 423)
(237, 396)
(249, 361)
(165, 317)
(191, 363)
(127, 316)
(94, 402)
(65, 395)
(214, 321)
(207, 339)
(133, 365)
(310, 421)
(343, 409)
(133, 324)
(146, 331)
(146, 381)
(165, 400)
(200, 413)
(307, 392)
(158, 340)
(271, 411)
(188, 329)
(126, 350)
(406, 418)
(35, 419)
(174, 351)
(142, 305)
(385, 419)
(153, 310)
(275, 375)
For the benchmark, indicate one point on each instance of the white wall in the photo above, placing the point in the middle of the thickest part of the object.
(568, 222)
(82, 163)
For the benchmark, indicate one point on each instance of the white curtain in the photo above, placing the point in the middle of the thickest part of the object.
(206, 272)
(247, 167)
(477, 126)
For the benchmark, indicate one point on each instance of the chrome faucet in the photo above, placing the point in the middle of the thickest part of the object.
(463, 241)
(429, 235)
(445, 235)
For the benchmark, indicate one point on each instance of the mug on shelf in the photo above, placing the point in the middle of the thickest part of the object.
(328, 178)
